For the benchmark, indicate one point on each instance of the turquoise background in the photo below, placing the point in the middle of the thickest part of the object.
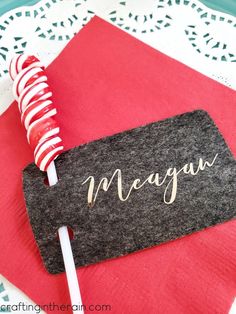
(228, 6)
(7, 5)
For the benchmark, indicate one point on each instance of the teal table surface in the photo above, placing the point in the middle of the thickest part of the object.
(7, 5)
(227, 6)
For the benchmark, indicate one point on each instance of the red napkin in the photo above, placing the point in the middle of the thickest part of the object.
(105, 82)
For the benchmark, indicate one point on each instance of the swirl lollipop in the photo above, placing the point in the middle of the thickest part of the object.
(37, 111)
(33, 94)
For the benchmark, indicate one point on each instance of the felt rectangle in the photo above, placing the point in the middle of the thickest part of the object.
(134, 190)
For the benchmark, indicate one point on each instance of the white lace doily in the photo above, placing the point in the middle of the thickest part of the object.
(186, 30)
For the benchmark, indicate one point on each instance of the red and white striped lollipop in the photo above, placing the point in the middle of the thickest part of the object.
(33, 94)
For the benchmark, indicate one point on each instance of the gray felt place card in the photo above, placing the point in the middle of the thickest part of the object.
(134, 190)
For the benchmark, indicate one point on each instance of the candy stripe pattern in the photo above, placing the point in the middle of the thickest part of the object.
(33, 95)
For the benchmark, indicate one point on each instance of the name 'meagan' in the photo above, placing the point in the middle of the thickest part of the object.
(170, 181)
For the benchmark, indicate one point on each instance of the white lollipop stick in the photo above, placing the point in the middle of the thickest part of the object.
(69, 263)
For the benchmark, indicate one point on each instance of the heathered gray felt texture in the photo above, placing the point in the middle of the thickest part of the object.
(112, 228)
